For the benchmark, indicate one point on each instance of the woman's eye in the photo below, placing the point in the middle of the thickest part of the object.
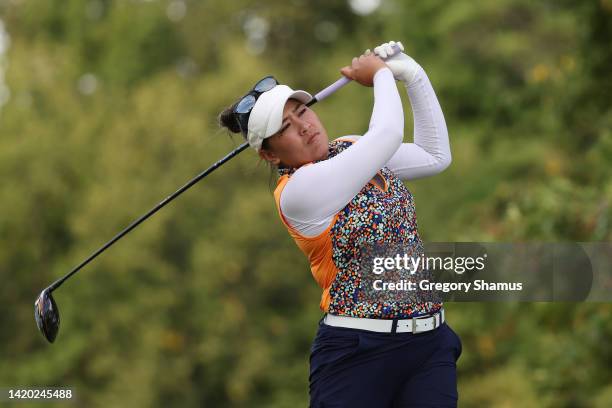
(300, 113)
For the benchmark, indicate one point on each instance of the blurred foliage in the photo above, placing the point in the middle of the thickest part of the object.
(113, 106)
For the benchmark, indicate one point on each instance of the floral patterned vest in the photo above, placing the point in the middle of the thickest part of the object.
(381, 213)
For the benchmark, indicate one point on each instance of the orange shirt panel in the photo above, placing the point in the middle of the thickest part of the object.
(317, 249)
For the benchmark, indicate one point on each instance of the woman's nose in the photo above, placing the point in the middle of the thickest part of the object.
(304, 127)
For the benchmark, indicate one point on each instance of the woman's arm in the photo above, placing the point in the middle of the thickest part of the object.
(430, 153)
(315, 193)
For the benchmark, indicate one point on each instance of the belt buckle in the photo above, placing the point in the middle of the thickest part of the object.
(414, 324)
(435, 325)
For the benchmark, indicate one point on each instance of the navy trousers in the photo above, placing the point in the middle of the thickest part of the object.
(357, 368)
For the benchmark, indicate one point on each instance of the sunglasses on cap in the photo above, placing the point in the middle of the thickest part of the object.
(245, 105)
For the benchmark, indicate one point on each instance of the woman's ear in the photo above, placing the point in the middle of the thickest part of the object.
(269, 156)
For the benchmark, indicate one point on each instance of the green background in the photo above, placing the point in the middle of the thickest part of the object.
(109, 106)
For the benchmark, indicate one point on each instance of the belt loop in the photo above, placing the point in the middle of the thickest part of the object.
(394, 325)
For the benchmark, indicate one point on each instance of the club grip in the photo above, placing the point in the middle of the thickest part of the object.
(341, 82)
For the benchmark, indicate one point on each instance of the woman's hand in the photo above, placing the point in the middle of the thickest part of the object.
(363, 69)
(404, 68)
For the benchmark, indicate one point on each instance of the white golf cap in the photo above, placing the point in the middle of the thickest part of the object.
(266, 116)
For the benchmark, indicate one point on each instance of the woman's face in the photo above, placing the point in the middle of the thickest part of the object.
(302, 138)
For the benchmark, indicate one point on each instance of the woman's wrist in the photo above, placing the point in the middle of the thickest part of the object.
(418, 76)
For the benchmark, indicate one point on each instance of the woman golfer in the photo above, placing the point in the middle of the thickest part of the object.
(336, 198)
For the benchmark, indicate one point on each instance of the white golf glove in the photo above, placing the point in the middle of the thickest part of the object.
(404, 68)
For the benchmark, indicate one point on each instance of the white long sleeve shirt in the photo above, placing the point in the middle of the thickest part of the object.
(315, 193)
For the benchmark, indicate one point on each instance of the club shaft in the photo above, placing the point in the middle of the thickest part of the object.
(318, 97)
(159, 206)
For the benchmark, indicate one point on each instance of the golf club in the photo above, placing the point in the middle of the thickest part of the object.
(46, 311)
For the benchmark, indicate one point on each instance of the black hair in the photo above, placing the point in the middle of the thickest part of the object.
(228, 120)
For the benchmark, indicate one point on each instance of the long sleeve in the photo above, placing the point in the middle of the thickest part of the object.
(430, 153)
(316, 192)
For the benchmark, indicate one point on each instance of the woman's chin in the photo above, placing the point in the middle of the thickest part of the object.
(320, 144)
(320, 150)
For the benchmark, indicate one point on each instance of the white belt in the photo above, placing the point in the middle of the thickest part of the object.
(415, 325)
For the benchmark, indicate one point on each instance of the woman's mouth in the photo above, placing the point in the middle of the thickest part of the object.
(312, 138)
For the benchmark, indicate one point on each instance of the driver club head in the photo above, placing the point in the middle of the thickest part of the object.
(47, 315)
